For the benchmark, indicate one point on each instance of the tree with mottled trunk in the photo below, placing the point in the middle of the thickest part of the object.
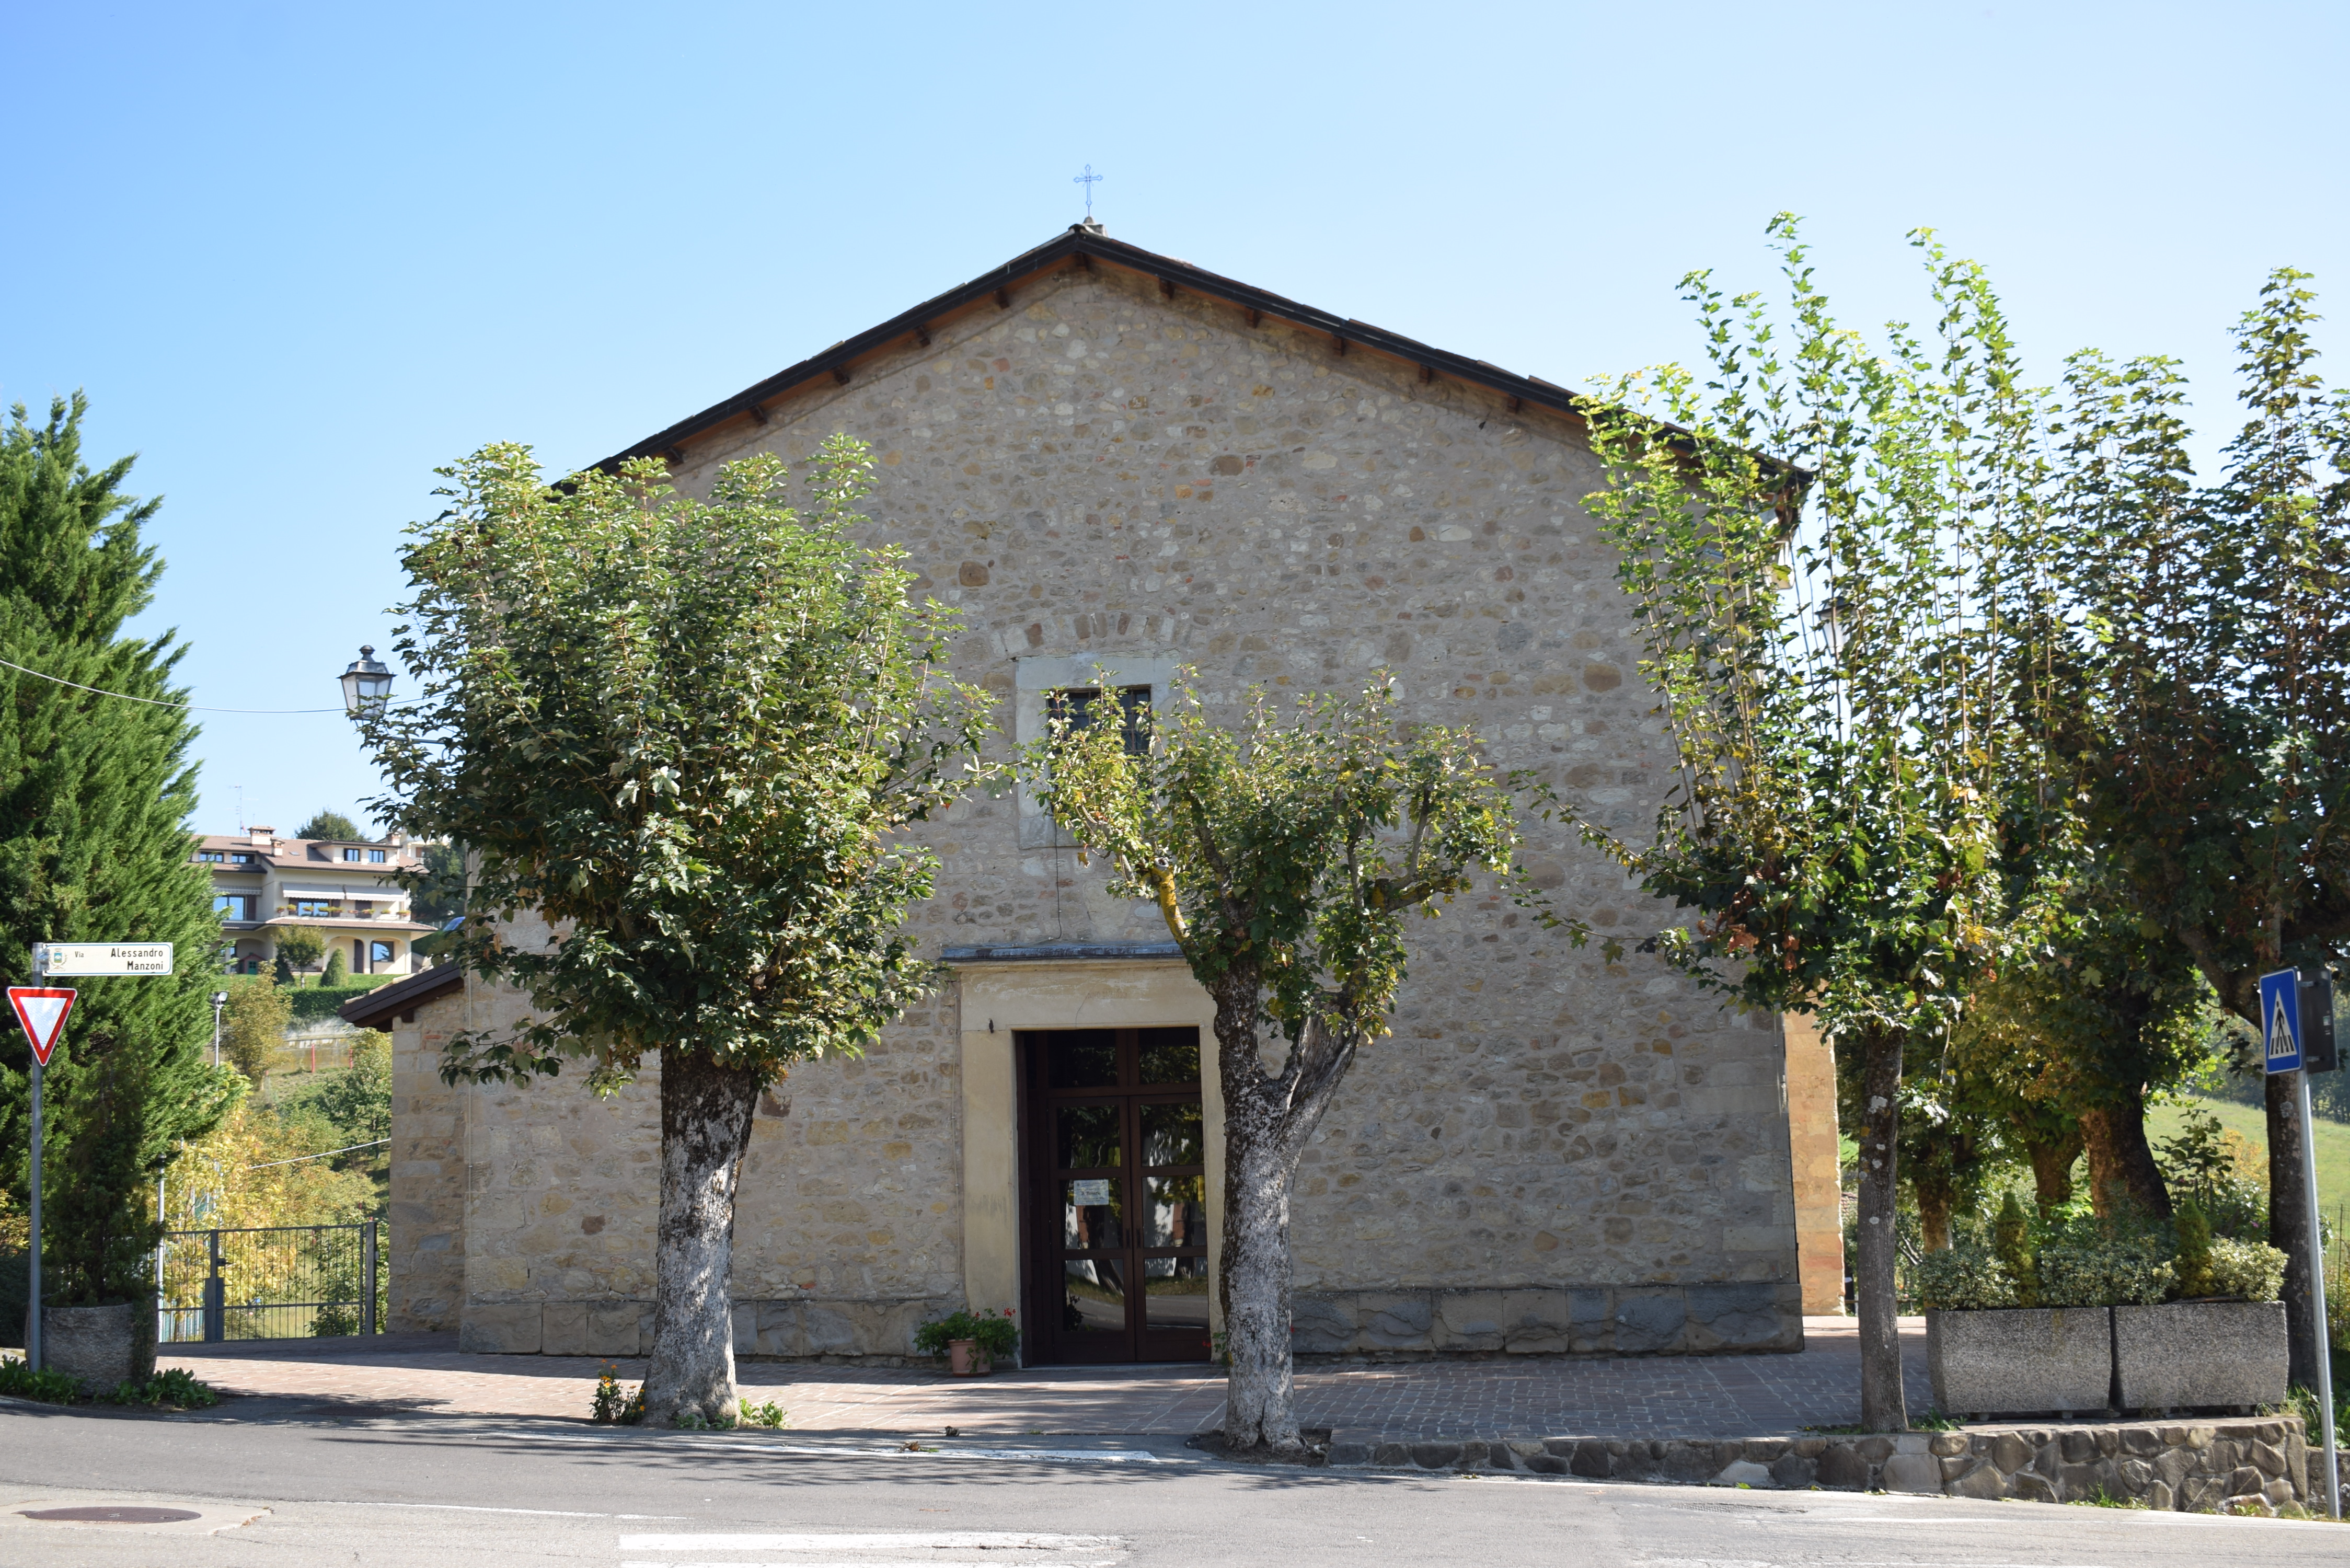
(2215, 663)
(689, 736)
(1286, 858)
(1830, 547)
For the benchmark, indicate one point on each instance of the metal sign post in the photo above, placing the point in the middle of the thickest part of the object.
(2281, 1040)
(42, 1011)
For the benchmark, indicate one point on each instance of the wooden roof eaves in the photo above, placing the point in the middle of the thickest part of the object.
(1096, 247)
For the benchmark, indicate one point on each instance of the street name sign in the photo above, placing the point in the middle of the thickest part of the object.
(42, 1010)
(102, 958)
(2280, 1021)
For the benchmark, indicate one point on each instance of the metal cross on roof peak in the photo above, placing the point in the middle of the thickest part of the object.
(1088, 179)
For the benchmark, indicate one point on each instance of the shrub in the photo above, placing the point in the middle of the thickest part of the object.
(2011, 1242)
(2247, 1270)
(172, 1388)
(995, 1334)
(2101, 1265)
(49, 1387)
(338, 971)
(767, 1415)
(2194, 1263)
(1966, 1276)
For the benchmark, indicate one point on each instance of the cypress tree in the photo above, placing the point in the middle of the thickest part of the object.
(95, 793)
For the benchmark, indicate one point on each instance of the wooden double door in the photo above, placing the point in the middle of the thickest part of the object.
(1113, 1177)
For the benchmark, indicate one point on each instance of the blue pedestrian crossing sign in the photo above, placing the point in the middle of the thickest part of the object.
(2280, 1020)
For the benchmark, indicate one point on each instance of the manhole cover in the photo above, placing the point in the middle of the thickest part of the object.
(112, 1513)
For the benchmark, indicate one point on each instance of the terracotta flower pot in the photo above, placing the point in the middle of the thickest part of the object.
(966, 1359)
(100, 1345)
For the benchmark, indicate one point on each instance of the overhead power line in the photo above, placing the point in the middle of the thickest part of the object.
(157, 702)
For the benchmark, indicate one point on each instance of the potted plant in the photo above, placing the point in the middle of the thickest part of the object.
(970, 1341)
(1994, 1343)
(2222, 1344)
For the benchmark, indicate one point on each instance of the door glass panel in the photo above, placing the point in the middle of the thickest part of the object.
(1173, 1216)
(1169, 1055)
(1093, 1214)
(1170, 1135)
(1082, 1059)
(1086, 1137)
(1093, 1296)
(1175, 1292)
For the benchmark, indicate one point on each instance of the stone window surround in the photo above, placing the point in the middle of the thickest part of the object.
(1035, 678)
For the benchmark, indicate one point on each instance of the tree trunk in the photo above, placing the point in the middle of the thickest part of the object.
(1883, 1407)
(2123, 1175)
(1267, 1128)
(2052, 1166)
(2289, 1225)
(706, 1112)
(1933, 1214)
(1261, 1396)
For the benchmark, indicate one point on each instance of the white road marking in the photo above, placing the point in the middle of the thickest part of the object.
(465, 1507)
(892, 1540)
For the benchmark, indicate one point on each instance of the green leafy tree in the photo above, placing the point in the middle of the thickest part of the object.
(330, 824)
(439, 884)
(299, 948)
(253, 1026)
(93, 792)
(688, 735)
(2214, 668)
(1287, 858)
(2106, 1013)
(1829, 547)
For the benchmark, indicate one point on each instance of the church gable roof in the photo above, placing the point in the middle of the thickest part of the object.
(1083, 248)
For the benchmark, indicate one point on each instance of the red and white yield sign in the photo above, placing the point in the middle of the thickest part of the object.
(42, 1010)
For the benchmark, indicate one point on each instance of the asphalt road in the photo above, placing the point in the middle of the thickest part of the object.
(420, 1491)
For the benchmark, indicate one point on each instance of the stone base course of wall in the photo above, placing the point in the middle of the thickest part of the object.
(800, 1329)
(1587, 1320)
(2252, 1466)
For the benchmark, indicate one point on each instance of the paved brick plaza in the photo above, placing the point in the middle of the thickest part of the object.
(1651, 1396)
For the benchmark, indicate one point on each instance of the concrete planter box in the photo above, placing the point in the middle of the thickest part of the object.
(2025, 1361)
(2201, 1355)
(100, 1345)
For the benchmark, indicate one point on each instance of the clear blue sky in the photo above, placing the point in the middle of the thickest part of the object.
(300, 255)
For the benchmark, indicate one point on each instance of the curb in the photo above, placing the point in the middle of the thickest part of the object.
(2193, 1467)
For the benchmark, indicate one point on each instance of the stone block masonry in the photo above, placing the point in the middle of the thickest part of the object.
(1546, 1142)
(2252, 1466)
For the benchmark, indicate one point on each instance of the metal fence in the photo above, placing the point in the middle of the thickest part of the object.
(295, 1281)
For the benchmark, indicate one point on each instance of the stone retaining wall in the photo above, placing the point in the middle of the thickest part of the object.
(2253, 1466)
(1578, 1320)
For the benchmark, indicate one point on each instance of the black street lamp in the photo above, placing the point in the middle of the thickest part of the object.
(366, 684)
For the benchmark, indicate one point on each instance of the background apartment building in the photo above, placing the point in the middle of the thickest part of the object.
(263, 884)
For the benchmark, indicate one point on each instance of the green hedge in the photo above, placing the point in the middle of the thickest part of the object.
(314, 1002)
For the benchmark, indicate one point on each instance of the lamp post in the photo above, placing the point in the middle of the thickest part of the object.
(220, 999)
(366, 684)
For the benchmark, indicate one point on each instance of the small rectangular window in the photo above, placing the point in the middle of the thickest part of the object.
(315, 909)
(211, 856)
(375, 857)
(1082, 707)
(240, 860)
(350, 855)
(235, 906)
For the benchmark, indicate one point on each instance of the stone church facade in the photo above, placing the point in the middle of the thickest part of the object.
(1107, 459)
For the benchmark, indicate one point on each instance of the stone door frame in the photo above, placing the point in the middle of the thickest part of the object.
(1007, 991)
